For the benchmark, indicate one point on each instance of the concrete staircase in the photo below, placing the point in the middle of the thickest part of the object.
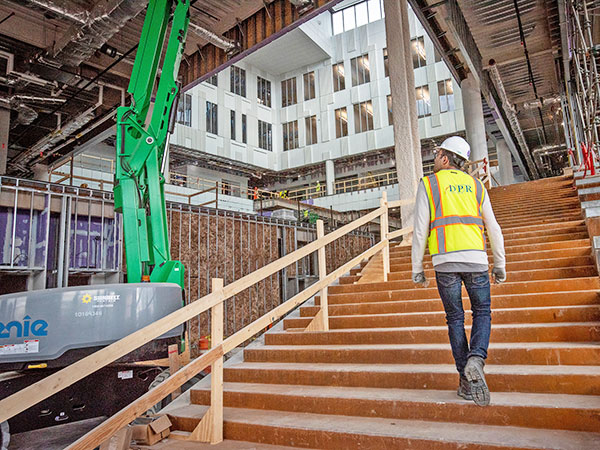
(383, 376)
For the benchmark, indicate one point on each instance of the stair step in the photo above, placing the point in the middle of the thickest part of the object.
(532, 353)
(550, 314)
(346, 432)
(522, 275)
(564, 412)
(517, 287)
(340, 304)
(511, 267)
(557, 379)
(540, 332)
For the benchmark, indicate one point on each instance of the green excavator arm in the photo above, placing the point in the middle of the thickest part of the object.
(142, 144)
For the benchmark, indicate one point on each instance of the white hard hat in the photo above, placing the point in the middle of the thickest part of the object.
(457, 145)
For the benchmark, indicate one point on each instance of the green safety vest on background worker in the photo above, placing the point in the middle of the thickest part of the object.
(455, 200)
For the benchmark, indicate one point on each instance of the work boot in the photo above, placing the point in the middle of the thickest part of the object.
(476, 377)
(464, 388)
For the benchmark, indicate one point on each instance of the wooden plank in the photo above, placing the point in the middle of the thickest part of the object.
(174, 367)
(385, 229)
(216, 374)
(322, 276)
(141, 405)
(399, 203)
(398, 233)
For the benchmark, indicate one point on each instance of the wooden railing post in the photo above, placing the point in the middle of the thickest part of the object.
(321, 320)
(216, 382)
(210, 428)
(385, 229)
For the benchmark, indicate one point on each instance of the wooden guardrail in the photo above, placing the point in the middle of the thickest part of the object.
(210, 428)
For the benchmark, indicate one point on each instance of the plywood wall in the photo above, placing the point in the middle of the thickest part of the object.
(229, 246)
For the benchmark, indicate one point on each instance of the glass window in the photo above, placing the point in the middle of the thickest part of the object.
(339, 80)
(265, 135)
(311, 130)
(341, 122)
(389, 106)
(263, 94)
(309, 86)
(212, 80)
(211, 118)
(423, 101)
(375, 10)
(446, 95)
(349, 19)
(419, 56)
(232, 123)
(357, 15)
(361, 72)
(362, 15)
(436, 55)
(338, 22)
(244, 129)
(386, 63)
(288, 92)
(184, 110)
(290, 135)
(363, 116)
(238, 81)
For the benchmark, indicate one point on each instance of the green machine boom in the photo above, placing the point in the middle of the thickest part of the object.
(142, 145)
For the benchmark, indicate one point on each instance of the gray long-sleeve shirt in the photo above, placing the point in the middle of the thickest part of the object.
(461, 261)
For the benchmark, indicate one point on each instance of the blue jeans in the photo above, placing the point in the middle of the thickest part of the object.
(477, 285)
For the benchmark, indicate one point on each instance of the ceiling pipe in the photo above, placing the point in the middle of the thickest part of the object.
(511, 114)
(230, 46)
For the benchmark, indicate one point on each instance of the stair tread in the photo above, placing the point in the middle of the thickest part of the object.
(590, 402)
(493, 345)
(490, 369)
(444, 327)
(499, 436)
(436, 313)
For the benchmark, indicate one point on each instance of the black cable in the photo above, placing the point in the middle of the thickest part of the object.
(531, 78)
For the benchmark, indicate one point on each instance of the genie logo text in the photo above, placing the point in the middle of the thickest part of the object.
(25, 328)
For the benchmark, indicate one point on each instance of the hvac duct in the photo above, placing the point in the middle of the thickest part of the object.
(511, 115)
(230, 46)
(26, 114)
(92, 28)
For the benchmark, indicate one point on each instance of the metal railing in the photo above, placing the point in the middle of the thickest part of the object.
(210, 428)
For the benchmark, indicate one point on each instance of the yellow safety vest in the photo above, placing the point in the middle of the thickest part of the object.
(455, 201)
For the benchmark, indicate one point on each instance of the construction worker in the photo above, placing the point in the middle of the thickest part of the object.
(450, 213)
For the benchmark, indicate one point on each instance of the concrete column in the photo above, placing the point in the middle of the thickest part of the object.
(330, 176)
(4, 129)
(474, 123)
(407, 143)
(507, 175)
(40, 172)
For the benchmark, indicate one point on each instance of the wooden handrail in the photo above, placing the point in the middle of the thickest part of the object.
(398, 233)
(31, 395)
(130, 412)
(399, 203)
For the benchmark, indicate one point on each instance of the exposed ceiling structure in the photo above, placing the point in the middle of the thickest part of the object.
(65, 64)
(515, 49)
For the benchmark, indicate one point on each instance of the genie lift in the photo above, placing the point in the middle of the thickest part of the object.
(43, 331)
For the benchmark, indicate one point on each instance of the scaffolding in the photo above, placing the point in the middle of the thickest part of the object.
(582, 83)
